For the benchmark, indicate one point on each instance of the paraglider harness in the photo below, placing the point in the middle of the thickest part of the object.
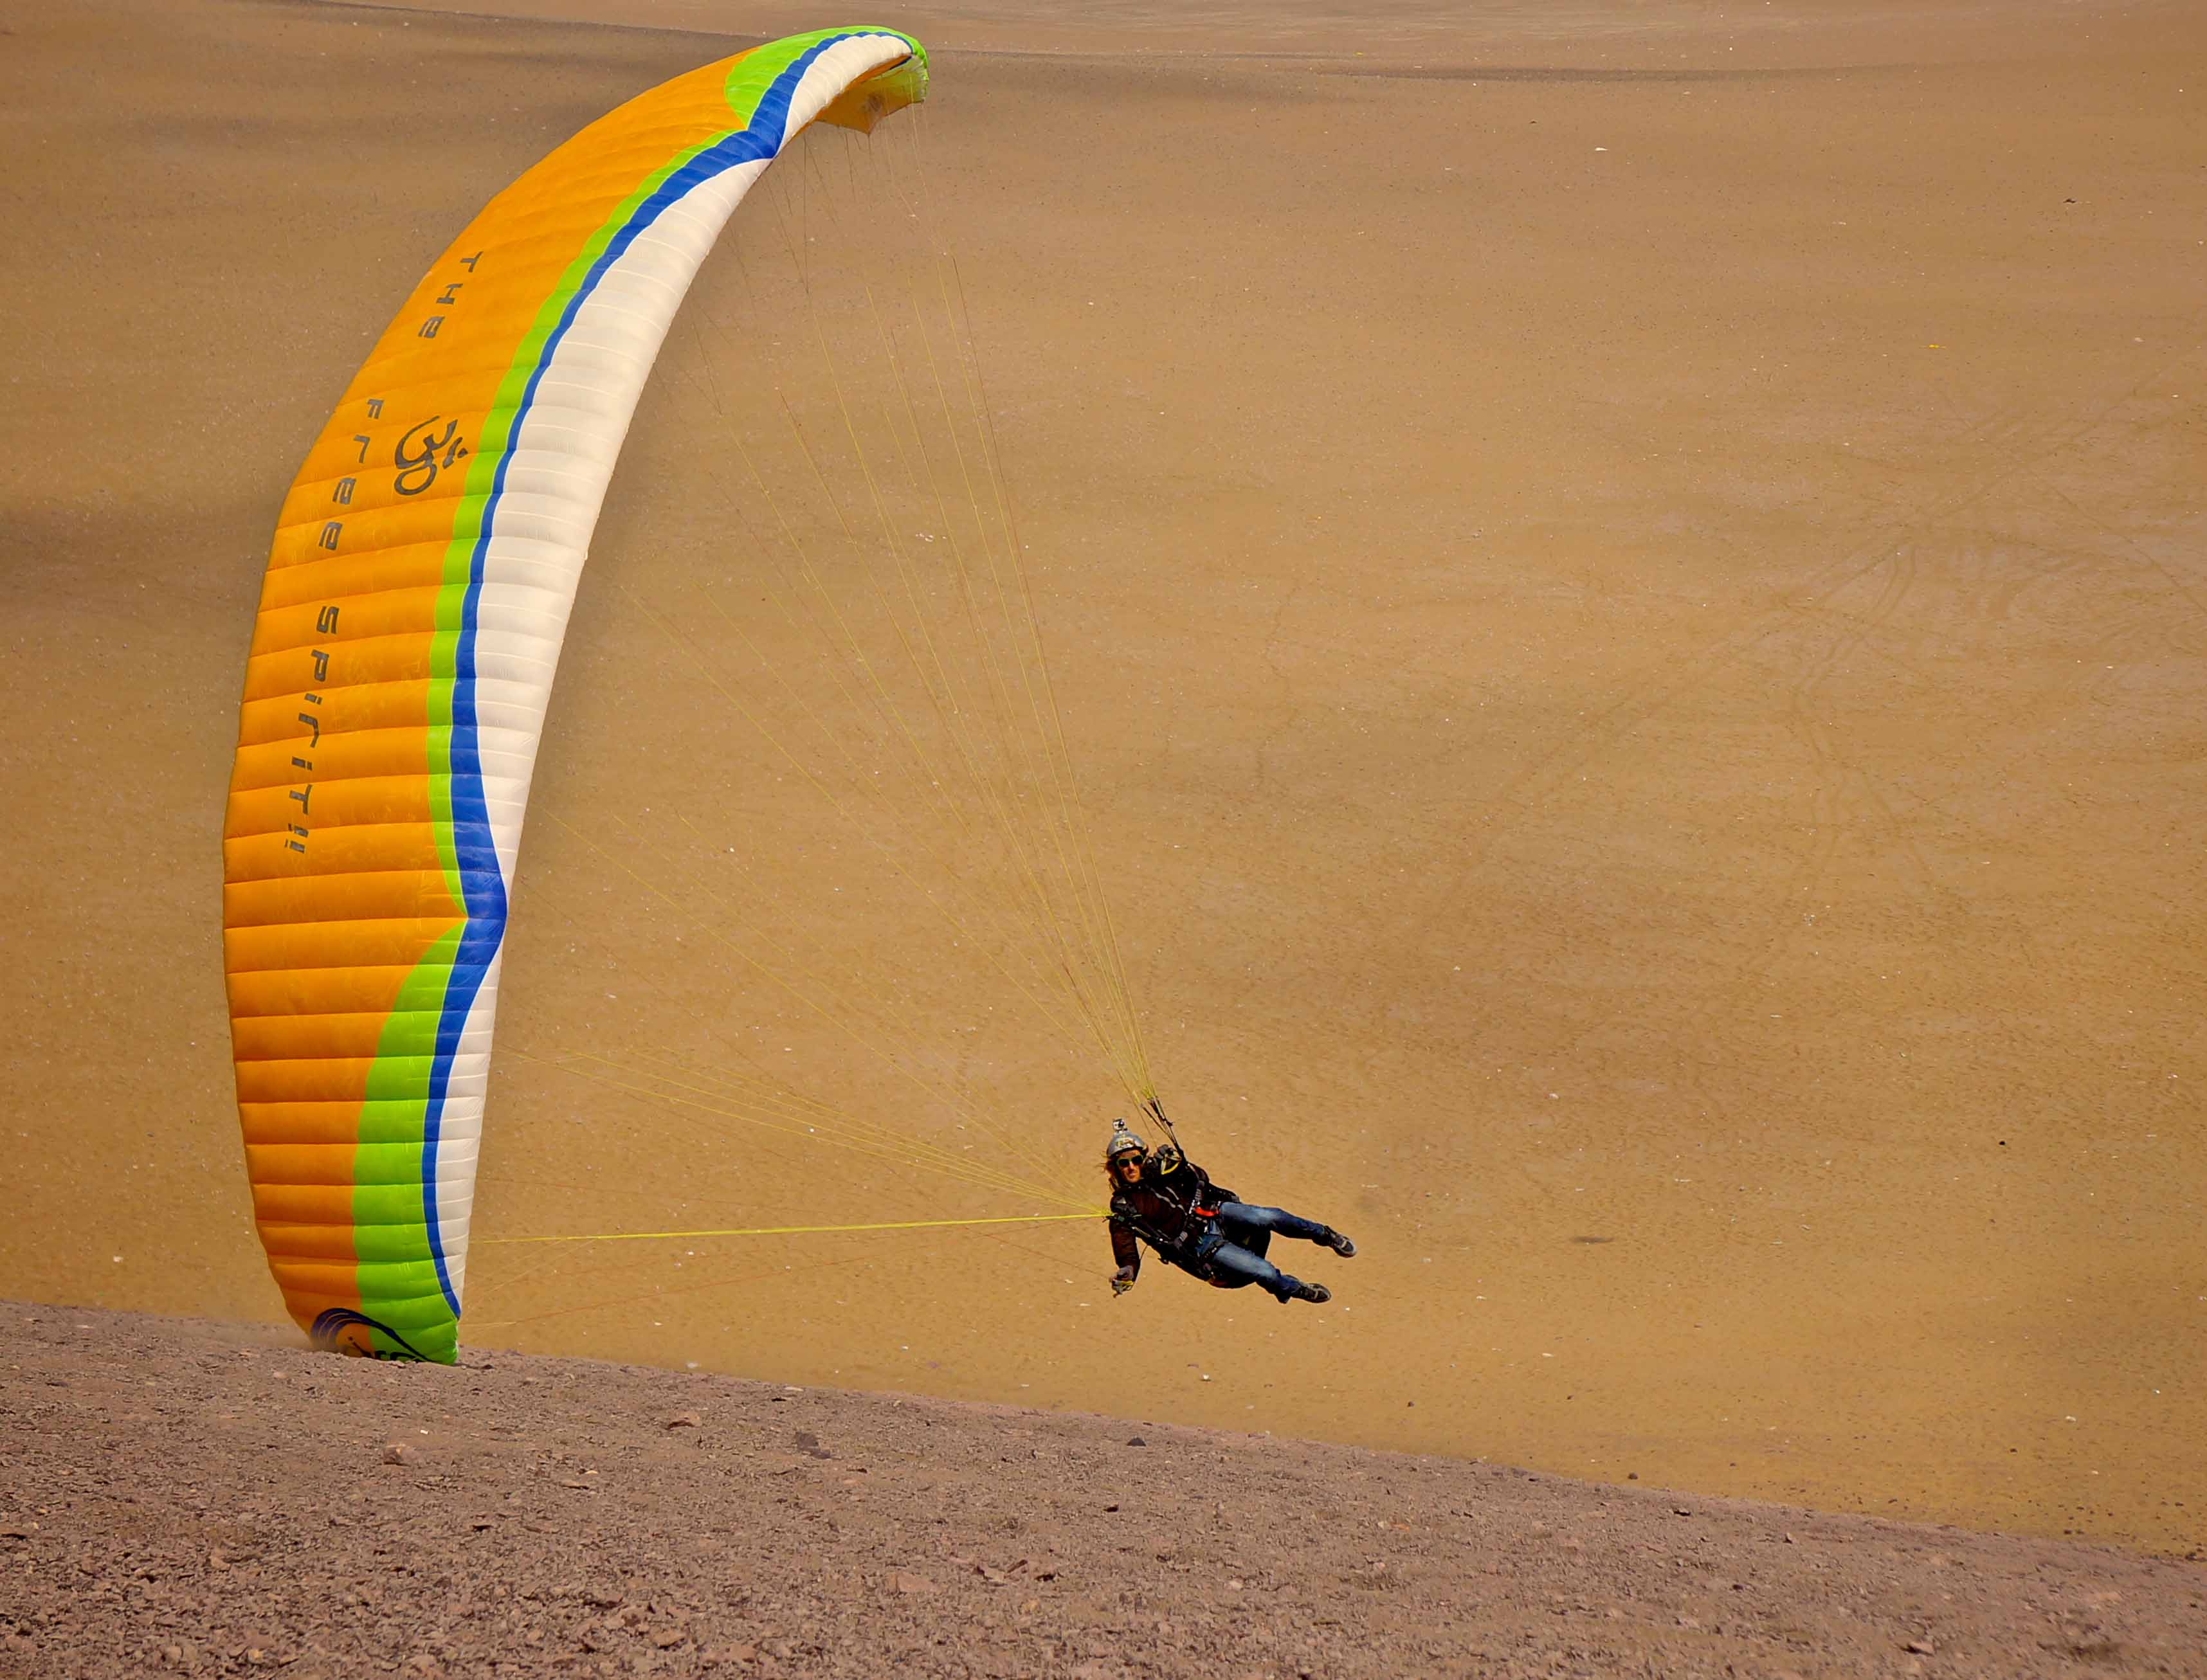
(1192, 1210)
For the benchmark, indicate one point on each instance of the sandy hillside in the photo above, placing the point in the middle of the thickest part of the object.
(202, 1499)
(1626, 590)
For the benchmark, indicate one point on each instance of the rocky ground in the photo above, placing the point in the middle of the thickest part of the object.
(210, 1498)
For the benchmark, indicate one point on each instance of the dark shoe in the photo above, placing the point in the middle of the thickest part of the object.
(1317, 1294)
(1340, 1244)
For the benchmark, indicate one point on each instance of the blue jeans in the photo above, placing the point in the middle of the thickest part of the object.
(1232, 1252)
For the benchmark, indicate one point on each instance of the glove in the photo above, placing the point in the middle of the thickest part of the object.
(1123, 1280)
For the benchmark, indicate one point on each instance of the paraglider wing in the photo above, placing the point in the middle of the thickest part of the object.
(417, 593)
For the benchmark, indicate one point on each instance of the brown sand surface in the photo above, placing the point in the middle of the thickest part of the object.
(203, 1498)
(1626, 585)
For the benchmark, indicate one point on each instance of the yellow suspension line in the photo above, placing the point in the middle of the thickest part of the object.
(1002, 1185)
(801, 1231)
(1038, 895)
(887, 1059)
(1089, 904)
(1071, 960)
(953, 1089)
(839, 1131)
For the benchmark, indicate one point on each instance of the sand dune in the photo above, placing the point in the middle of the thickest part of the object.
(1628, 586)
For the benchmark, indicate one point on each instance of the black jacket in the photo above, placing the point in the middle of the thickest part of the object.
(1170, 1207)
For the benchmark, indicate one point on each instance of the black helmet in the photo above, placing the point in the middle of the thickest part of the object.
(1122, 1143)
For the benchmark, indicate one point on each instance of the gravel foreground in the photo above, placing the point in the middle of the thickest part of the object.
(206, 1499)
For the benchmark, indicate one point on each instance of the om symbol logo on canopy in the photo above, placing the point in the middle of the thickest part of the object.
(424, 462)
